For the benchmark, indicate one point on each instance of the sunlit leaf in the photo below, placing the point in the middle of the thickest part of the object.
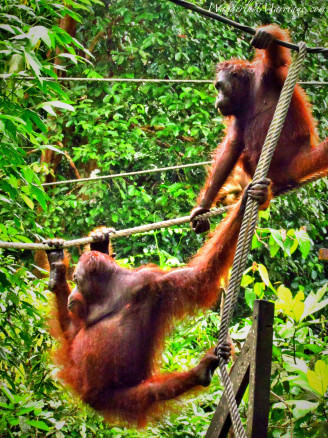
(8, 28)
(49, 109)
(303, 407)
(264, 274)
(32, 62)
(73, 58)
(318, 379)
(246, 280)
(298, 308)
(28, 201)
(304, 242)
(57, 104)
(312, 302)
(39, 32)
(284, 294)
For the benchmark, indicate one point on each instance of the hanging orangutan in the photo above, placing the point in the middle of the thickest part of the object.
(248, 93)
(112, 325)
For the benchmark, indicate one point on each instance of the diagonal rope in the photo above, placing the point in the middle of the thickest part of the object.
(249, 224)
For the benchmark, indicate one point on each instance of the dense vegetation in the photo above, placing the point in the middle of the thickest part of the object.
(54, 130)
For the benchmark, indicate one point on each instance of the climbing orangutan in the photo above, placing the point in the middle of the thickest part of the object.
(248, 93)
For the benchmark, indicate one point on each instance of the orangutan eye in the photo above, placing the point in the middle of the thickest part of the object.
(218, 85)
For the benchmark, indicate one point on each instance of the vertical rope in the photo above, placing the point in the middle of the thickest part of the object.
(248, 227)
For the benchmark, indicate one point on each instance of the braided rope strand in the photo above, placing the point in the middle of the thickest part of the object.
(117, 234)
(249, 224)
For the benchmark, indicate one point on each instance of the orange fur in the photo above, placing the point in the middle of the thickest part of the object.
(112, 362)
(256, 86)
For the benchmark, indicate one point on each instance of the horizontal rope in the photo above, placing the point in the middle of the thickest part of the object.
(121, 175)
(137, 80)
(116, 234)
(247, 29)
(149, 227)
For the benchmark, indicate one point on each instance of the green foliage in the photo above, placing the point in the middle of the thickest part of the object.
(27, 49)
(300, 374)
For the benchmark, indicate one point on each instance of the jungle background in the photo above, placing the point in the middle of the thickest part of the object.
(55, 130)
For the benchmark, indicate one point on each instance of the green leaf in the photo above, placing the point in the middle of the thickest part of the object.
(312, 302)
(304, 242)
(284, 294)
(38, 424)
(298, 306)
(293, 307)
(49, 109)
(40, 196)
(52, 148)
(7, 393)
(303, 407)
(56, 104)
(8, 28)
(32, 62)
(250, 297)
(28, 201)
(256, 243)
(274, 247)
(264, 274)
(34, 117)
(259, 288)
(16, 63)
(277, 237)
(69, 56)
(292, 241)
(24, 411)
(287, 332)
(246, 280)
(318, 379)
(39, 32)
(12, 119)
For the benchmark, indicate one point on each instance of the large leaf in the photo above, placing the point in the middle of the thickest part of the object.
(32, 62)
(318, 379)
(304, 242)
(49, 106)
(39, 32)
(38, 424)
(312, 302)
(264, 274)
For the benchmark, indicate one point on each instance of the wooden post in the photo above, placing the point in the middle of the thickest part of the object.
(253, 366)
(260, 370)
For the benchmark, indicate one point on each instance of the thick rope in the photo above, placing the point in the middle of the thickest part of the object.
(116, 234)
(153, 226)
(249, 224)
